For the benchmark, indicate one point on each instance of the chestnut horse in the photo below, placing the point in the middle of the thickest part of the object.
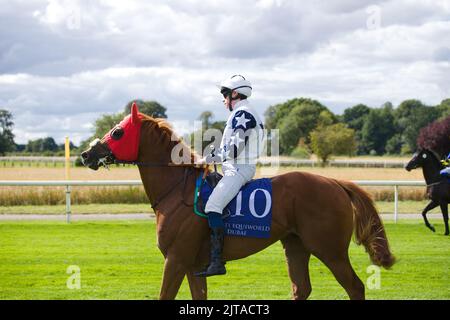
(311, 214)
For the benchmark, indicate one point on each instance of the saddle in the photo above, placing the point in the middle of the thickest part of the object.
(249, 214)
(212, 179)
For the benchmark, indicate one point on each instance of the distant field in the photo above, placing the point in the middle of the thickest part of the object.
(126, 173)
(11, 196)
(120, 260)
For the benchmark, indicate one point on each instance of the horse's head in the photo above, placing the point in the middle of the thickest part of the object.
(121, 143)
(419, 159)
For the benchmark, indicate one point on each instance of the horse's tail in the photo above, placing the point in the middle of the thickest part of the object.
(369, 229)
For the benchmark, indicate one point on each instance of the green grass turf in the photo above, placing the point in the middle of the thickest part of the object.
(95, 208)
(120, 260)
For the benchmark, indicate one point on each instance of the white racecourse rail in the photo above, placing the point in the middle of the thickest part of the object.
(71, 183)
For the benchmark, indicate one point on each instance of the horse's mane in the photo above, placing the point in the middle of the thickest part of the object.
(168, 138)
(435, 155)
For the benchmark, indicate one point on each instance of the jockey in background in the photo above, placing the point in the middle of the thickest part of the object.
(446, 163)
(241, 145)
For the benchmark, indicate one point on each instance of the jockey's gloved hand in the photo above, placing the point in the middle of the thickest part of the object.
(210, 158)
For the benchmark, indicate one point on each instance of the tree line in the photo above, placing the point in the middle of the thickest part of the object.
(305, 127)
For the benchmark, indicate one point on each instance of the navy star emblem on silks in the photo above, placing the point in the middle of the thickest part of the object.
(243, 120)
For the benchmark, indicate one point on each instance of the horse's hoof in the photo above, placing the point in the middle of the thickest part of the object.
(431, 228)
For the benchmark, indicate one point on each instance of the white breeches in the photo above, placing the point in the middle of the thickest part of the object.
(234, 177)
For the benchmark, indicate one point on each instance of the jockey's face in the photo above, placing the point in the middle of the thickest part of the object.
(226, 100)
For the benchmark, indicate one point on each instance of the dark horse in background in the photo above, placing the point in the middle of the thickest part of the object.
(311, 215)
(438, 187)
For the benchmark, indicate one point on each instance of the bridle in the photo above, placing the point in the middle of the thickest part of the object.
(436, 156)
(109, 158)
(188, 170)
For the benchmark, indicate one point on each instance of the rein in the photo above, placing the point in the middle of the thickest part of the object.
(187, 172)
(436, 183)
(154, 164)
(169, 190)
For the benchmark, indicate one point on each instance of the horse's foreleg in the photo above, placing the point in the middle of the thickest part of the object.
(297, 258)
(197, 285)
(429, 207)
(174, 273)
(444, 209)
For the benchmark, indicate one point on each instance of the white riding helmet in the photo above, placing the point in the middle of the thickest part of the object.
(237, 83)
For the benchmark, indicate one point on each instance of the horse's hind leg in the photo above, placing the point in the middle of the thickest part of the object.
(429, 207)
(343, 272)
(297, 258)
(444, 209)
(197, 285)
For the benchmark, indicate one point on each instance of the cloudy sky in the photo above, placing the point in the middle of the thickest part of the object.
(63, 63)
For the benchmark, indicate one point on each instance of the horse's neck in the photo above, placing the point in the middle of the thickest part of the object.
(158, 181)
(431, 172)
(161, 181)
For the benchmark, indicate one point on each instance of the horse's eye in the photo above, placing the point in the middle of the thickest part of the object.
(117, 133)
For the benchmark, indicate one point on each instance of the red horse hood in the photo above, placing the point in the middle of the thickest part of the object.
(126, 147)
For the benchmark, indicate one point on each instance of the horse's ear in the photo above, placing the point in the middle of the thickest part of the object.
(134, 113)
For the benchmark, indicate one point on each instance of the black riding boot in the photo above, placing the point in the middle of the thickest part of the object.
(216, 266)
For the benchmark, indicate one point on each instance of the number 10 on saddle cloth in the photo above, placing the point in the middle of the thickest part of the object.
(249, 214)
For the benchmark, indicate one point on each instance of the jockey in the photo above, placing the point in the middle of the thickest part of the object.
(446, 163)
(241, 145)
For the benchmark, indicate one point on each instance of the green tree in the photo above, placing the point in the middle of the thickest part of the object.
(207, 123)
(205, 117)
(444, 109)
(49, 144)
(274, 114)
(394, 144)
(41, 145)
(295, 119)
(354, 117)
(378, 128)
(6, 136)
(105, 123)
(326, 118)
(419, 119)
(410, 116)
(335, 139)
(150, 108)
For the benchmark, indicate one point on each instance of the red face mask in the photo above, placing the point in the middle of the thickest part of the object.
(123, 139)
